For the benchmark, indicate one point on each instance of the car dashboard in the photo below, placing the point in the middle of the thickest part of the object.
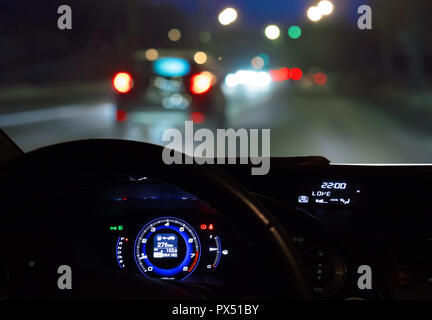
(351, 216)
(344, 217)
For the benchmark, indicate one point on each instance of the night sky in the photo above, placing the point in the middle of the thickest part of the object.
(256, 13)
(253, 14)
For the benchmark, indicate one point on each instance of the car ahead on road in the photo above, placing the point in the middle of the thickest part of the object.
(171, 80)
(129, 226)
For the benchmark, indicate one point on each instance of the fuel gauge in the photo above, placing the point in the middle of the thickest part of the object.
(215, 252)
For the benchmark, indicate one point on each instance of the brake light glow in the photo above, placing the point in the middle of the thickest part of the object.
(197, 117)
(296, 73)
(280, 75)
(320, 78)
(201, 82)
(121, 116)
(123, 82)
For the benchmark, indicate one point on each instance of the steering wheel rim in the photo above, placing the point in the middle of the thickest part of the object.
(89, 156)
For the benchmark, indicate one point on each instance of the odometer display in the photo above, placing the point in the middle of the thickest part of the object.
(330, 192)
(167, 248)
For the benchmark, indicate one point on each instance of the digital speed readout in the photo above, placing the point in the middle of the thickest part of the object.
(165, 246)
(330, 192)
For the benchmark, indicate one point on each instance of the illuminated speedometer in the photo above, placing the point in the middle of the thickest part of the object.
(167, 248)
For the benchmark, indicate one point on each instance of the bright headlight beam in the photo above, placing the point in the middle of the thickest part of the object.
(248, 78)
(231, 80)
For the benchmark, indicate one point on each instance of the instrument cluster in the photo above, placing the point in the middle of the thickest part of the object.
(169, 248)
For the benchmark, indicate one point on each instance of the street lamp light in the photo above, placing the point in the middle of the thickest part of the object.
(272, 32)
(200, 57)
(174, 35)
(227, 16)
(314, 14)
(326, 7)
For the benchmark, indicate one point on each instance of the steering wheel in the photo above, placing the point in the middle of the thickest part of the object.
(283, 277)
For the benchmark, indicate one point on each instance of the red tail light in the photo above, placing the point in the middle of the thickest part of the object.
(201, 82)
(281, 74)
(121, 115)
(197, 117)
(296, 73)
(123, 82)
(320, 78)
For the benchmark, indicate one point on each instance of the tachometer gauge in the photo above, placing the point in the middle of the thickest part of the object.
(167, 248)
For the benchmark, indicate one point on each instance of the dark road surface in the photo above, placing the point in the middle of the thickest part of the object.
(343, 130)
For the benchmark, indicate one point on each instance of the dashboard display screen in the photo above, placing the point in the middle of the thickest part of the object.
(330, 192)
(165, 245)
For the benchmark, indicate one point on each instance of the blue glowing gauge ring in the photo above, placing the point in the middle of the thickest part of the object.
(167, 248)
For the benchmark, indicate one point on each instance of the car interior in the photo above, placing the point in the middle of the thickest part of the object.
(83, 204)
(208, 158)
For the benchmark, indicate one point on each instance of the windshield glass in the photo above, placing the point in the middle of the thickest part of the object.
(349, 80)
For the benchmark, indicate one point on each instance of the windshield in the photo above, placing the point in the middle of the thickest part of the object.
(349, 80)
